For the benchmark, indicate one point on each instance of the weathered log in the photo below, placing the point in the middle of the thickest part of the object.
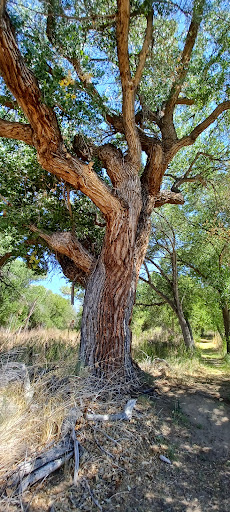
(43, 472)
(30, 472)
(27, 467)
(125, 415)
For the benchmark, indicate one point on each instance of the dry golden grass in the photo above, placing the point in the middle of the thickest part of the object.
(51, 357)
(25, 427)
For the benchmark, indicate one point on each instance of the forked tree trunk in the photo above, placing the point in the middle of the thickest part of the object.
(110, 292)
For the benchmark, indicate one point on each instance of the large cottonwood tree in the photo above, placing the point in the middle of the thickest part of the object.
(159, 68)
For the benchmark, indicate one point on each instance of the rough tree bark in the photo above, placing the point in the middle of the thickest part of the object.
(126, 206)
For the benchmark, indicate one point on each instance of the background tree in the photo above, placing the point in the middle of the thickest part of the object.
(166, 90)
(24, 305)
(163, 278)
(198, 299)
(204, 247)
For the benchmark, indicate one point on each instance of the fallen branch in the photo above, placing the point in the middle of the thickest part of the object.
(94, 500)
(28, 467)
(125, 415)
(76, 456)
(43, 472)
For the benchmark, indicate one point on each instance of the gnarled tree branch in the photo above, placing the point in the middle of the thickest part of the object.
(18, 131)
(188, 140)
(144, 51)
(167, 196)
(128, 85)
(67, 244)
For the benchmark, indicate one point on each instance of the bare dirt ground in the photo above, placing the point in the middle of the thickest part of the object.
(186, 420)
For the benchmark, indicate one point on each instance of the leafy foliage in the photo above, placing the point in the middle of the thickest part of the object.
(20, 300)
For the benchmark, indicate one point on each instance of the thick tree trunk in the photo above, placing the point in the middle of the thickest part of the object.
(106, 335)
(111, 288)
(109, 299)
(226, 320)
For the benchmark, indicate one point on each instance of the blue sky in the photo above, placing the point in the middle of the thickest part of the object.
(54, 281)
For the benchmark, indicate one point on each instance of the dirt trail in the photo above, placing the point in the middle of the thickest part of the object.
(200, 434)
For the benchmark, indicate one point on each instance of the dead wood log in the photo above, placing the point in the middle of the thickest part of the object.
(125, 415)
(64, 447)
(30, 472)
(43, 472)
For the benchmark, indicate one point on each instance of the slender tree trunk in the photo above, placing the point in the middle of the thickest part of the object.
(184, 324)
(226, 320)
(186, 330)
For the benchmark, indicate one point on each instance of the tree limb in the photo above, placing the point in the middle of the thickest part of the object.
(4, 258)
(2, 7)
(161, 271)
(184, 101)
(145, 48)
(182, 68)
(193, 267)
(67, 244)
(71, 270)
(128, 85)
(125, 415)
(52, 154)
(161, 294)
(5, 102)
(185, 178)
(85, 80)
(150, 305)
(18, 131)
(167, 196)
(190, 139)
(110, 156)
